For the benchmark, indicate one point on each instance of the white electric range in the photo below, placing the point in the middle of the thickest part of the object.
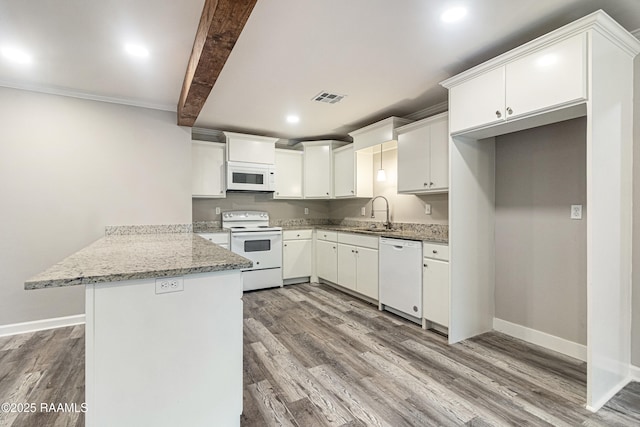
(253, 238)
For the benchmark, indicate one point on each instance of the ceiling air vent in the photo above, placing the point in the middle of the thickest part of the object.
(328, 97)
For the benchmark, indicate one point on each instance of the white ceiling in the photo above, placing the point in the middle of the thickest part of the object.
(386, 56)
(77, 47)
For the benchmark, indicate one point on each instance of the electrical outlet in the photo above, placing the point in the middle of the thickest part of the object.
(217, 210)
(427, 209)
(363, 211)
(169, 284)
(576, 211)
(306, 211)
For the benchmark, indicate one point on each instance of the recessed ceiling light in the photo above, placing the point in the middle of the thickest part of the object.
(293, 119)
(453, 14)
(136, 50)
(16, 55)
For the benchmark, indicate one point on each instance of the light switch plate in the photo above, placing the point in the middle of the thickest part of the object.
(576, 211)
(363, 211)
(427, 209)
(217, 210)
(306, 211)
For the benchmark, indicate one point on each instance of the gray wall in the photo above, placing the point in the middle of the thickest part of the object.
(541, 257)
(68, 167)
(204, 209)
(404, 207)
(635, 325)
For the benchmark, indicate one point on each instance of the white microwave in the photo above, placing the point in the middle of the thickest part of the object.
(250, 177)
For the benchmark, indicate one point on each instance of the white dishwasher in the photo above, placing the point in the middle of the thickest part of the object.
(400, 277)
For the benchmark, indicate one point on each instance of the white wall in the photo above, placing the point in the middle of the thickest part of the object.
(541, 253)
(68, 167)
(635, 314)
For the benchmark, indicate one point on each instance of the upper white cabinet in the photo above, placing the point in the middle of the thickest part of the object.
(207, 169)
(288, 174)
(318, 168)
(353, 173)
(423, 156)
(548, 78)
(377, 133)
(250, 148)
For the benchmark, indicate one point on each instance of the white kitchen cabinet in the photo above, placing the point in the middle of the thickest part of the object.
(288, 165)
(377, 133)
(318, 168)
(353, 173)
(423, 156)
(297, 252)
(208, 169)
(220, 238)
(545, 79)
(358, 264)
(250, 148)
(327, 256)
(435, 284)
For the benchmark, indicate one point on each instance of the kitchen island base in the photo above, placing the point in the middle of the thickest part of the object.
(165, 359)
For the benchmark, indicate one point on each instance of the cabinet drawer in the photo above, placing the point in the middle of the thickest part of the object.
(296, 234)
(358, 240)
(221, 238)
(435, 251)
(330, 236)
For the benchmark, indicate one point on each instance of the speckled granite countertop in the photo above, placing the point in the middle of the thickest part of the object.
(138, 256)
(397, 234)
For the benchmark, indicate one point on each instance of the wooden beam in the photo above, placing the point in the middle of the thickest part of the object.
(220, 26)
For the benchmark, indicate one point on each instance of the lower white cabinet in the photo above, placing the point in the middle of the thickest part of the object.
(297, 252)
(435, 284)
(327, 255)
(220, 238)
(358, 264)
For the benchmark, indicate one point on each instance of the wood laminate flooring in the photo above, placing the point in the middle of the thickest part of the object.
(314, 356)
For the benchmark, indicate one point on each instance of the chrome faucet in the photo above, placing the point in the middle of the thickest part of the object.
(387, 225)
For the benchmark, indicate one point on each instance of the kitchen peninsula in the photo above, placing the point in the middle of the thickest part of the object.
(163, 327)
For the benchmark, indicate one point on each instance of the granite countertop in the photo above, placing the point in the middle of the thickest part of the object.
(397, 234)
(138, 256)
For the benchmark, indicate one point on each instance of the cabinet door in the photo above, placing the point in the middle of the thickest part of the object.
(367, 272)
(296, 259)
(288, 174)
(317, 172)
(478, 101)
(327, 260)
(435, 291)
(439, 155)
(207, 170)
(344, 172)
(347, 266)
(548, 78)
(413, 160)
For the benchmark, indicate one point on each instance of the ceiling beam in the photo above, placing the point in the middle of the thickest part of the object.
(220, 26)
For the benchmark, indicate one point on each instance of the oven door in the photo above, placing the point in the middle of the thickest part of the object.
(249, 177)
(264, 248)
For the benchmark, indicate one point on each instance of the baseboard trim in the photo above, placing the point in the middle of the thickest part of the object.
(634, 373)
(41, 325)
(542, 339)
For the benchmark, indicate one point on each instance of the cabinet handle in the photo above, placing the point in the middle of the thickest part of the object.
(277, 193)
(327, 194)
(297, 235)
(430, 184)
(285, 245)
(509, 111)
(334, 247)
(498, 114)
(351, 191)
(352, 251)
(424, 265)
(426, 184)
(434, 251)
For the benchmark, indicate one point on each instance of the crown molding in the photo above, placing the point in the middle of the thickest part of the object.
(429, 111)
(636, 33)
(49, 90)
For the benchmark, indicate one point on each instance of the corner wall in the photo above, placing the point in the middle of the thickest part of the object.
(68, 167)
(635, 293)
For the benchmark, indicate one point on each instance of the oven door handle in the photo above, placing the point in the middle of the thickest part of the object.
(256, 234)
